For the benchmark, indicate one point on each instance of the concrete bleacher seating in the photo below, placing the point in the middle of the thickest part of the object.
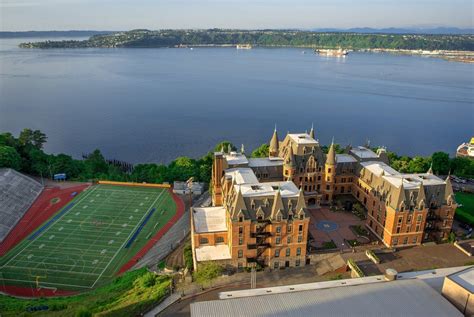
(17, 194)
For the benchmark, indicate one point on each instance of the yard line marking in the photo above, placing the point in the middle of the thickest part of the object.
(46, 230)
(126, 240)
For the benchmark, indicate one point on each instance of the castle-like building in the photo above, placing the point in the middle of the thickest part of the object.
(259, 213)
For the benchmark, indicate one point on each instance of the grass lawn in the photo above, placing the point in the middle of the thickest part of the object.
(466, 212)
(128, 295)
(85, 244)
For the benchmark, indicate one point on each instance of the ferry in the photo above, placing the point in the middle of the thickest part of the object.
(466, 150)
(330, 52)
(244, 46)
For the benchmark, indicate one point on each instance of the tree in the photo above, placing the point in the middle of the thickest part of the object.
(39, 139)
(419, 164)
(206, 273)
(95, 165)
(26, 137)
(9, 157)
(440, 163)
(261, 151)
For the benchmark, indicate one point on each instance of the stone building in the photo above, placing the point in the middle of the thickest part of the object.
(259, 212)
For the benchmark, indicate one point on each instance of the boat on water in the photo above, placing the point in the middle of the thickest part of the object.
(332, 52)
(244, 46)
(466, 150)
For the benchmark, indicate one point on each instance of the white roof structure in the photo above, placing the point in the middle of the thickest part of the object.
(264, 162)
(464, 278)
(209, 219)
(379, 168)
(345, 158)
(287, 189)
(235, 158)
(213, 253)
(410, 295)
(410, 181)
(363, 152)
(242, 175)
(302, 138)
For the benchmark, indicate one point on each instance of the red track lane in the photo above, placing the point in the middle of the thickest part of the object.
(34, 217)
(22, 291)
(39, 212)
(157, 236)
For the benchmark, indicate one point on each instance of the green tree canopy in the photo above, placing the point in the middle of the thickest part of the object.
(9, 157)
(261, 151)
(440, 163)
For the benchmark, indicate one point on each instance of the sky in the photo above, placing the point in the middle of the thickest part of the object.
(23, 15)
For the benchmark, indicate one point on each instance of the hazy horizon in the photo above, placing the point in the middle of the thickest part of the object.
(65, 15)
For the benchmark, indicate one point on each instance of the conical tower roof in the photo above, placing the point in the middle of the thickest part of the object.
(311, 132)
(301, 204)
(331, 156)
(400, 195)
(430, 170)
(421, 195)
(448, 191)
(239, 203)
(274, 146)
(277, 204)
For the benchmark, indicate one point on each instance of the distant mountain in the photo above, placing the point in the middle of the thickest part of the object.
(72, 33)
(438, 30)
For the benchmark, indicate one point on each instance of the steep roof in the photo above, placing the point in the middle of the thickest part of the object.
(331, 156)
(274, 142)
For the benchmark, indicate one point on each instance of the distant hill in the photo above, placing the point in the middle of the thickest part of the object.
(365, 30)
(282, 38)
(25, 34)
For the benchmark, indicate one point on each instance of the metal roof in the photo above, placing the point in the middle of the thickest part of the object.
(410, 297)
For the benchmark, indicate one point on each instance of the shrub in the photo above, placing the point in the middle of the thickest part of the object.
(188, 257)
(353, 265)
(83, 312)
(207, 272)
(148, 280)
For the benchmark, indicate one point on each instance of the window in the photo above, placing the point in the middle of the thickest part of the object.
(239, 266)
(417, 228)
(297, 263)
(241, 219)
(300, 239)
(329, 170)
(408, 228)
(241, 231)
(279, 218)
(278, 229)
(409, 219)
(398, 229)
(288, 240)
(241, 241)
(203, 241)
(405, 240)
(277, 253)
(298, 251)
(400, 219)
(219, 239)
(288, 228)
(415, 240)
(278, 240)
(418, 218)
(395, 241)
(241, 254)
(276, 265)
(300, 228)
(288, 251)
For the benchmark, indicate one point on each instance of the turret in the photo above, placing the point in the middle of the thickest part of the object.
(421, 198)
(311, 132)
(274, 145)
(430, 170)
(330, 172)
(400, 198)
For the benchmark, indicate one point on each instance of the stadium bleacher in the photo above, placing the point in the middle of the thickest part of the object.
(17, 194)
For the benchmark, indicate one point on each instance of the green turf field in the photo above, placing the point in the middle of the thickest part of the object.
(86, 245)
(466, 212)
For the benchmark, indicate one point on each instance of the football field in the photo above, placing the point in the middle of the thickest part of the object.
(87, 242)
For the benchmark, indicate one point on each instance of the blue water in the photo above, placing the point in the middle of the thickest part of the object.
(152, 105)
